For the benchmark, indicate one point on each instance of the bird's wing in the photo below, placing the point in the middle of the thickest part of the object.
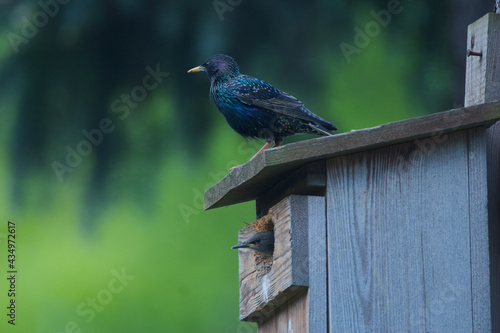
(252, 91)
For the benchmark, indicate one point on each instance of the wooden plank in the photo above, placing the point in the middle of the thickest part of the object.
(255, 177)
(478, 220)
(483, 85)
(262, 294)
(309, 179)
(317, 292)
(493, 160)
(482, 76)
(398, 235)
(308, 312)
(291, 317)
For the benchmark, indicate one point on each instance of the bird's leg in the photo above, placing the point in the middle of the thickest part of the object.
(277, 142)
(260, 151)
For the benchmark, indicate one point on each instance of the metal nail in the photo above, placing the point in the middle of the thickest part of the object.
(474, 53)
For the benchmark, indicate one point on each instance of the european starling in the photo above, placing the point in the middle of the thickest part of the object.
(256, 109)
(262, 242)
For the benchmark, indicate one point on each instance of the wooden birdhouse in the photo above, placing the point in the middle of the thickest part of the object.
(394, 228)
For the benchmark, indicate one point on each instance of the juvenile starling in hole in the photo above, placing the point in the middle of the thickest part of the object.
(262, 242)
(256, 109)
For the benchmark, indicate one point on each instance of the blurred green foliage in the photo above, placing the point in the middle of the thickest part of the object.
(134, 203)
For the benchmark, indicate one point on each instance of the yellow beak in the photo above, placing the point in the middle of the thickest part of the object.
(197, 69)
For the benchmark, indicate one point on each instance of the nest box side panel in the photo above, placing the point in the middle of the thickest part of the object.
(261, 292)
(401, 240)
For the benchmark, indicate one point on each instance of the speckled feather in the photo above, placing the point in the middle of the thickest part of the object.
(256, 109)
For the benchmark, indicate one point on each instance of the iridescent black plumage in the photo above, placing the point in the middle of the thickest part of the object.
(256, 109)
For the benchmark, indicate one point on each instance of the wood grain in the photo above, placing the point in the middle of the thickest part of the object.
(261, 296)
(482, 76)
(308, 311)
(309, 179)
(318, 290)
(493, 161)
(399, 238)
(258, 175)
(483, 85)
(290, 317)
(478, 219)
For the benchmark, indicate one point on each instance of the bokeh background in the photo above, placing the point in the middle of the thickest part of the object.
(131, 204)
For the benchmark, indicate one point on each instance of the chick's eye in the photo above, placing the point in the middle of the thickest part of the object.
(257, 240)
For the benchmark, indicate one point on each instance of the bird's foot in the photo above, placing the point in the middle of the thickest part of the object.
(236, 167)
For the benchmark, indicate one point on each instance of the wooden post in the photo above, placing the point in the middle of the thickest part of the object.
(482, 77)
(482, 85)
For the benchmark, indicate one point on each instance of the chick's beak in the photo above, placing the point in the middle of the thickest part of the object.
(240, 245)
(243, 245)
(197, 69)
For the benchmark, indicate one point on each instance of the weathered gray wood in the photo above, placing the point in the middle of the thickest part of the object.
(255, 177)
(483, 85)
(307, 312)
(482, 77)
(493, 157)
(317, 292)
(478, 212)
(290, 317)
(309, 179)
(261, 296)
(299, 258)
(399, 233)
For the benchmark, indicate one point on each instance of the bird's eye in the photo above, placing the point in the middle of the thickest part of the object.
(257, 240)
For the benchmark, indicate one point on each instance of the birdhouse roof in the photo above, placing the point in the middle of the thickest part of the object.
(260, 174)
